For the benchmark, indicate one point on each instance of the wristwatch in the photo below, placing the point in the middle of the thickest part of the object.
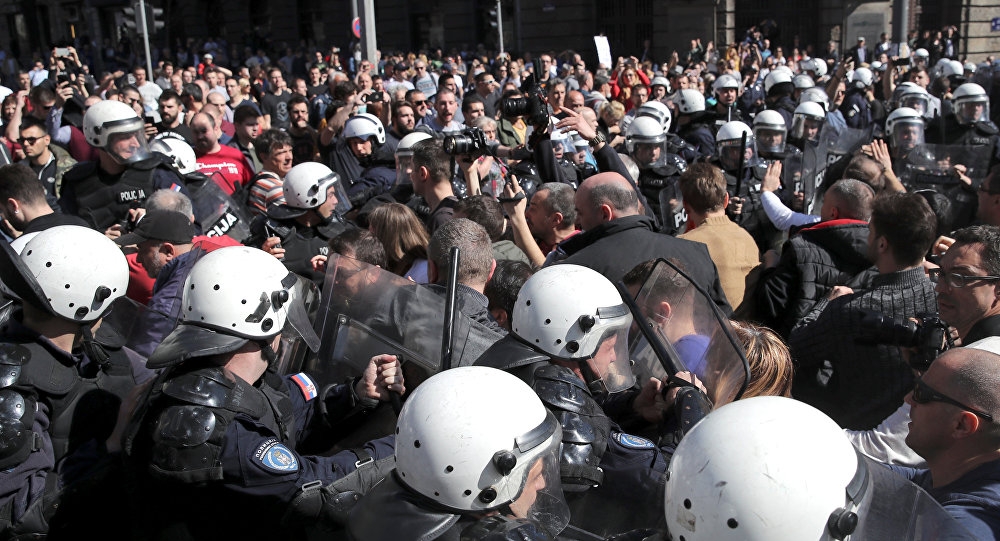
(598, 139)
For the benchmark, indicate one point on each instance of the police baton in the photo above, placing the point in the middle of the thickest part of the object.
(449, 310)
(739, 170)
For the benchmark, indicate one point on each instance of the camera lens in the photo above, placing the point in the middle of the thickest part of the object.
(457, 144)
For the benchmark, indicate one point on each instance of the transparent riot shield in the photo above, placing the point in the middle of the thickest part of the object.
(813, 172)
(217, 213)
(682, 323)
(932, 167)
(365, 311)
(293, 350)
(673, 217)
(894, 508)
(836, 145)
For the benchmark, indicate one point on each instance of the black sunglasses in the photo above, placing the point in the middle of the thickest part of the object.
(923, 393)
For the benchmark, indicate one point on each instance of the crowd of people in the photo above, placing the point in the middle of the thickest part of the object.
(231, 304)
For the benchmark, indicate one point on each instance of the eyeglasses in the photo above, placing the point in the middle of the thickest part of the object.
(955, 280)
(490, 82)
(422, 102)
(29, 140)
(923, 394)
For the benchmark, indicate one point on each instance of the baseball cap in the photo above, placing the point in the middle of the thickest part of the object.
(400, 66)
(163, 225)
(208, 55)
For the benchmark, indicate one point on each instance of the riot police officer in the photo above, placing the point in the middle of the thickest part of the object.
(57, 397)
(779, 89)
(675, 145)
(477, 456)
(857, 109)
(693, 122)
(125, 174)
(744, 172)
(727, 90)
(659, 172)
(365, 137)
(968, 123)
(300, 228)
(568, 342)
(221, 435)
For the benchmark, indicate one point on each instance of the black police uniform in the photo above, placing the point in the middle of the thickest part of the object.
(215, 457)
(660, 186)
(752, 217)
(52, 404)
(698, 133)
(301, 243)
(601, 467)
(104, 200)
(856, 109)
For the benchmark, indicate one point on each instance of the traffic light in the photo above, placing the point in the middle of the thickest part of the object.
(154, 18)
(133, 19)
(493, 16)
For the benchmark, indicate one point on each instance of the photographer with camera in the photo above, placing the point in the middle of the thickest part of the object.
(848, 369)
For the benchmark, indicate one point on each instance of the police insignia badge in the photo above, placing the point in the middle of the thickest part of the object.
(633, 442)
(274, 456)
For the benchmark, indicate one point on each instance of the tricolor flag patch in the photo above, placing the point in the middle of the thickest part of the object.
(306, 385)
(176, 187)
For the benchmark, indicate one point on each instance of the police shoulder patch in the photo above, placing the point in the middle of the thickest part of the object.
(273, 456)
(306, 385)
(633, 442)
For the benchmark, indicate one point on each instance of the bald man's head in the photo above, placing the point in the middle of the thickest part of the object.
(605, 197)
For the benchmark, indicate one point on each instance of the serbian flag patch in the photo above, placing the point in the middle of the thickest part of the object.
(175, 187)
(306, 385)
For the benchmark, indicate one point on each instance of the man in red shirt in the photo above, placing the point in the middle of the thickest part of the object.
(225, 165)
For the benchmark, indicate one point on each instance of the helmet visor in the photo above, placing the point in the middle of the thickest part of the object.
(610, 362)
(404, 165)
(298, 323)
(648, 154)
(806, 127)
(128, 146)
(541, 496)
(906, 135)
(730, 150)
(770, 139)
(337, 191)
(972, 110)
(918, 102)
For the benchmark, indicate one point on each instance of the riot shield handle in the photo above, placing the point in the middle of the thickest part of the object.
(449, 310)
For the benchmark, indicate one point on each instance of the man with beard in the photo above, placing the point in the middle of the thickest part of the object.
(303, 135)
(171, 114)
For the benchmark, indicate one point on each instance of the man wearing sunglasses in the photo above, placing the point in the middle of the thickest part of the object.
(968, 283)
(954, 407)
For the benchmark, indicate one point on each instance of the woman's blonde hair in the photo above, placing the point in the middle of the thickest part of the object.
(771, 368)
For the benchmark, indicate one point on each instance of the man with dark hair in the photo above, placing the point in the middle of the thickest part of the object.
(856, 383)
(967, 285)
(445, 105)
(274, 151)
(703, 188)
(304, 136)
(502, 289)
(23, 203)
(48, 161)
(616, 237)
(817, 258)
(403, 121)
(171, 118)
(472, 108)
(359, 244)
(274, 103)
(431, 178)
(489, 91)
(486, 211)
(246, 124)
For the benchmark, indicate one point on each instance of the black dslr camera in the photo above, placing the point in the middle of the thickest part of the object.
(930, 336)
(471, 141)
(533, 107)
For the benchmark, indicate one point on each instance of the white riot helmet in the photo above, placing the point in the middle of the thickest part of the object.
(69, 271)
(178, 153)
(921, 56)
(769, 130)
(657, 110)
(905, 128)
(404, 155)
(364, 126)
(574, 313)
(727, 144)
(817, 95)
(660, 81)
(815, 65)
(971, 104)
(744, 474)
(774, 78)
(645, 141)
(952, 68)
(115, 128)
(969, 68)
(802, 82)
(459, 451)
(231, 296)
(689, 101)
(862, 78)
(727, 80)
(306, 187)
(807, 121)
(915, 97)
